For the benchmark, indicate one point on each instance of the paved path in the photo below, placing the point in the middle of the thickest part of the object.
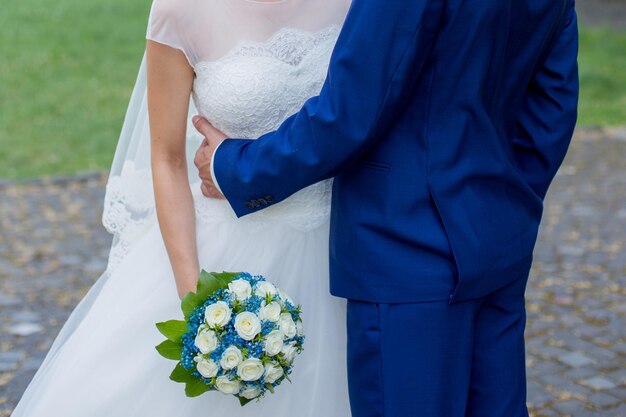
(602, 13)
(52, 248)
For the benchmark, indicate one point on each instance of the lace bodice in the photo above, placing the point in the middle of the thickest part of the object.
(257, 85)
(247, 92)
(252, 90)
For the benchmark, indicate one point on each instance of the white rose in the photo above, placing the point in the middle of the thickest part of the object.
(231, 358)
(250, 369)
(273, 373)
(287, 325)
(299, 328)
(250, 392)
(206, 367)
(290, 351)
(206, 340)
(241, 288)
(227, 386)
(247, 325)
(217, 314)
(264, 288)
(270, 312)
(274, 343)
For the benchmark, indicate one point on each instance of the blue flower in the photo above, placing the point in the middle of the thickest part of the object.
(189, 350)
(255, 349)
(267, 327)
(216, 355)
(253, 304)
(232, 338)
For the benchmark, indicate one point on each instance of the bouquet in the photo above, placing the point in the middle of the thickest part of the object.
(240, 336)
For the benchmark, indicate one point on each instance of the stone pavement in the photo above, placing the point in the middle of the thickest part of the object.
(602, 13)
(52, 248)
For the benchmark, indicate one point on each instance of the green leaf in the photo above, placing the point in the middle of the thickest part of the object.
(189, 303)
(180, 374)
(170, 350)
(281, 360)
(237, 306)
(196, 387)
(226, 277)
(243, 401)
(270, 388)
(172, 329)
(207, 285)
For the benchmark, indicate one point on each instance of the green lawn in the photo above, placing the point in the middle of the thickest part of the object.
(67, 68)
(602, 66)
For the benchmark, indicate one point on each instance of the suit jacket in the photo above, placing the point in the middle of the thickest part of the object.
(443, 123)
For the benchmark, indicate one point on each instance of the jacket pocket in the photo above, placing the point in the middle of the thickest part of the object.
(457, 275)
(377, 166)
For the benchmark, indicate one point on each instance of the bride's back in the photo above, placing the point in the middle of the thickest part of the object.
(256, 63)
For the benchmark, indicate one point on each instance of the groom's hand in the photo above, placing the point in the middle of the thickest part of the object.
(204, 155)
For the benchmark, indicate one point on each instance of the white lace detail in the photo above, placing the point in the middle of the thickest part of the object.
(257, 85)
(129, 209)
(289, 45)
(246, 93)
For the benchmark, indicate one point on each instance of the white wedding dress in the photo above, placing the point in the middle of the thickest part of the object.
(258, 65)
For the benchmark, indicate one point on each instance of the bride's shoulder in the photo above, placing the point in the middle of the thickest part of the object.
(175, 16)
(173, 10)
(166, 23)
(167, 8)
(179, 24)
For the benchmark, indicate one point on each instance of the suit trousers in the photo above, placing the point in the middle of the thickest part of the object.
(439, 359)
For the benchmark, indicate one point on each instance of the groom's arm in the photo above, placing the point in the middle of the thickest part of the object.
(377, 59)
(546, 123)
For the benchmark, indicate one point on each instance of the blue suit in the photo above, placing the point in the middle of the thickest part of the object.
(443, 123)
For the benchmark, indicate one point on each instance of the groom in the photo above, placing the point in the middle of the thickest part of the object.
(443, 123)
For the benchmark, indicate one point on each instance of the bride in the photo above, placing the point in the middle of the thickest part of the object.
(247, 65)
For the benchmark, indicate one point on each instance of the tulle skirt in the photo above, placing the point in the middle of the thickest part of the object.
(104, 364)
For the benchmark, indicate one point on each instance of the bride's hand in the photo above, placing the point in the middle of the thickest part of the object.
(204, 155)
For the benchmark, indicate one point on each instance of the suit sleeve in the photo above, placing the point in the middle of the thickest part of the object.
(546, 123)
(377, 60)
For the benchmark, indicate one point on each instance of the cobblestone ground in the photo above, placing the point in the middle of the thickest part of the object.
(602, 13)
(52, 248)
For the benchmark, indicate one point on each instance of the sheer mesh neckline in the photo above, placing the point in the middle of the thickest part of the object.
(271, 2)
(288, 45)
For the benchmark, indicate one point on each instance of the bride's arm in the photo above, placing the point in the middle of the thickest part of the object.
(170, 79)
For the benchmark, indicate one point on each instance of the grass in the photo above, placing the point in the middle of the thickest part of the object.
(66, 73)
(602, 63)
(68, 67)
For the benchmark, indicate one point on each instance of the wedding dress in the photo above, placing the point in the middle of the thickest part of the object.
(256, 63)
